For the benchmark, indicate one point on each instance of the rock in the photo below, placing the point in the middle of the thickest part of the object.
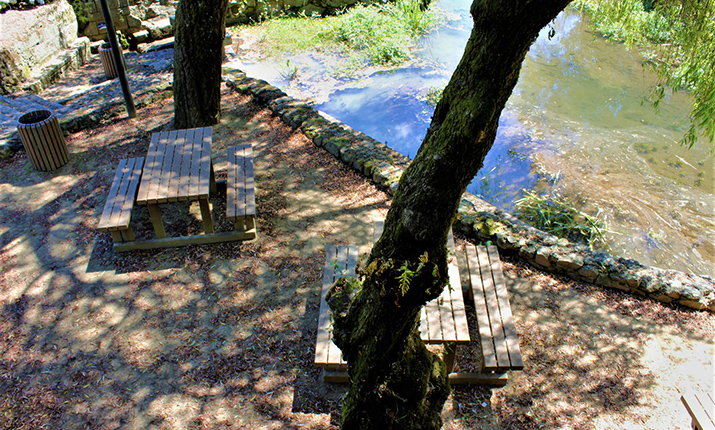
(570, 261)
(542, 256)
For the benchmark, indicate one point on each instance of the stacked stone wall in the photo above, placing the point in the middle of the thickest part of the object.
(31, 37)
(479, 220)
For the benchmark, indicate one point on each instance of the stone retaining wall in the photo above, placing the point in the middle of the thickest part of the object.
(479, 220)
(30, 38)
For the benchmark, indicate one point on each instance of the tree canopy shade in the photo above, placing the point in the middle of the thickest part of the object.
(198, 48)
(678, 39)
(396, 383)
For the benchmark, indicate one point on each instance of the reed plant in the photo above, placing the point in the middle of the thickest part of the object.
(553, 213)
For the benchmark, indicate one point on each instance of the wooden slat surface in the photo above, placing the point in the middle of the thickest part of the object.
(250, 182)
(204, 163)
(233, 190)
(240, 192)
(490, 295)
(173, 178)
(130, 192)
(106, 218)
(178, 166)
(340, 261)
(701, 407)
(512, 340)
(149, 166)
(120, 200)
(497, 331)
(480, 307)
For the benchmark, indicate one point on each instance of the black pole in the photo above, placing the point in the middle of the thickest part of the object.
(118, 60)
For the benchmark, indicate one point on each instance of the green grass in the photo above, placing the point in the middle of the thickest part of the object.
(556, 215)
(376, 35)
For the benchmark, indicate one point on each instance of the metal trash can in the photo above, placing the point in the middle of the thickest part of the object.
(43, 140)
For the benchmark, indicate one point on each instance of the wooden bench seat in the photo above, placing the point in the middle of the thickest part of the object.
(117, 212)
(701, 407)
(443, 320)
(497, 332)
(240, 192)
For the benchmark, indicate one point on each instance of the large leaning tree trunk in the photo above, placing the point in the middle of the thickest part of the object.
(198, 48)
(395, 382)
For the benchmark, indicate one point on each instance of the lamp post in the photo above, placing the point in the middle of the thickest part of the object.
(112, 36)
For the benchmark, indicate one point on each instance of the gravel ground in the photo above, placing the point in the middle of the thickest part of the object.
(222, 336)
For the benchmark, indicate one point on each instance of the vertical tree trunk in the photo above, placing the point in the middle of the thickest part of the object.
(395, 382)
(198, 48)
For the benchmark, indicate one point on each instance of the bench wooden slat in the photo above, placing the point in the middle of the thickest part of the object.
(116, 213)
(480, 307)
(156, 168)
(240, 190)
(181, 186)
(322, 347)
(135, 168)
(459, 311)
(150, 165)
(205, 163)
(497, 331)
(490, 294)
(174, 176)
(105, 218)
(169, 149)
(701, 407)
(512, 341)
(233, 192)
(250, 186)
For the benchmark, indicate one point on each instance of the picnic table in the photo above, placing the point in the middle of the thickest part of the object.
(443, 321)
(177, 167)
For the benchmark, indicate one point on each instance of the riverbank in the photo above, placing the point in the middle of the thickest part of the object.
(575, 125)
(479, 220)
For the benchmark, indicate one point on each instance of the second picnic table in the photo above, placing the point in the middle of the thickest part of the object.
(178, 167)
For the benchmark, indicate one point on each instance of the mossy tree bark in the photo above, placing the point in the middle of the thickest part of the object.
(198, 48)
(396, 383)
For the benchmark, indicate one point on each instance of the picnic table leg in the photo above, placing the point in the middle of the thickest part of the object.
(156, 221)
(212, 180)
(206, 215)
(128, 235)
(116, 236)
(450, 349)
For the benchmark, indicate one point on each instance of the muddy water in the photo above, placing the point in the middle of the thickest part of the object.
(574, 124)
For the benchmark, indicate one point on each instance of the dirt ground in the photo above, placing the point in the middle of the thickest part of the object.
(222, 336)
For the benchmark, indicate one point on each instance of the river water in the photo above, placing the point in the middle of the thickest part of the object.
(574, 124)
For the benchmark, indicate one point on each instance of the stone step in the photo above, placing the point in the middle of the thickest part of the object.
(18, 106)
(58, 109)
(52, 70)
(15, 107)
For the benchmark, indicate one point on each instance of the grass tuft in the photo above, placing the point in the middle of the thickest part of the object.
(556, 215)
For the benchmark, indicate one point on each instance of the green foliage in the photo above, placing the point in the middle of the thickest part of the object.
(434, 94)
(410, 15)
(80, 11)
(554, 214)
(678, 41)
(406, 275)
(367, 35)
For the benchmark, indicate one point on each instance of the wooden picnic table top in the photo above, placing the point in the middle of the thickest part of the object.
(177, 167)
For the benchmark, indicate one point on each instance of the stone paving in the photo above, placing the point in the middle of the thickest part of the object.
(85, 96)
